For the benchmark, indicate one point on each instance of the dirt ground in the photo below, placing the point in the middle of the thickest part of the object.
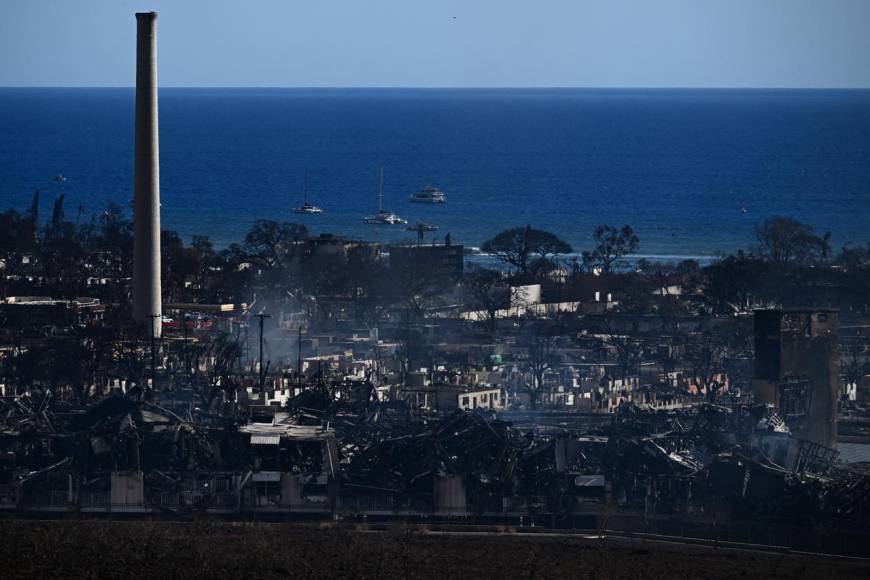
(103, 549)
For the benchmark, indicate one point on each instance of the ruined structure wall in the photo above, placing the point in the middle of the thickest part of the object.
(815, 356)
(800, 344)
(767, 331)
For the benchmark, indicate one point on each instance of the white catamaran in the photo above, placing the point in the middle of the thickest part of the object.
(306, 206)
(383, 217)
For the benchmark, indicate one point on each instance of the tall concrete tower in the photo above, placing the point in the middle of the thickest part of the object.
(147, 305)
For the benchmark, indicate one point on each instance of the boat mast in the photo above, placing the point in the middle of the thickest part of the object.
(381, 191)
(305, 188)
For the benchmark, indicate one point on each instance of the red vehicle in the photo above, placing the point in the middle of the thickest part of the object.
(191, 323)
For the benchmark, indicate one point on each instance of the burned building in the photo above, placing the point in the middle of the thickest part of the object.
(797, 369)
(444, 260)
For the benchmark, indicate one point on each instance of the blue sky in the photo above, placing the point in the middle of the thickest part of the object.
(602, 43)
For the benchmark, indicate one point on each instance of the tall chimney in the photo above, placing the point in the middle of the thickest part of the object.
(146, 205)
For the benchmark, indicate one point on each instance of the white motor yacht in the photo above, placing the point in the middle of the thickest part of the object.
(429, 194)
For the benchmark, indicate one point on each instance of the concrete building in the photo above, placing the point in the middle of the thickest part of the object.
(797, 369)
(146, 202)
(331, 245)
(482, 398)
(444, 260)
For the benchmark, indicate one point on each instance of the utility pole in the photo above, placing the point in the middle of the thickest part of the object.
(184, 346)
(247, 342)
(299, 361)
(262, 374)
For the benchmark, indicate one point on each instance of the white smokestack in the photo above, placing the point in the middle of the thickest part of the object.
(147, 305)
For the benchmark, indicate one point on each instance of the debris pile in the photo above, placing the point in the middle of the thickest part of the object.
(337, 449)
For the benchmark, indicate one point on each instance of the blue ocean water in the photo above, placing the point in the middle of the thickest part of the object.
(678, 165)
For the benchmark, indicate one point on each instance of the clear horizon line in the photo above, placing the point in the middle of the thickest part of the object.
(462, 87)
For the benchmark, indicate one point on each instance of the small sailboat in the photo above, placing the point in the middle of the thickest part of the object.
(306, 206)
(59, 177)
(383, 217)
(421, 228)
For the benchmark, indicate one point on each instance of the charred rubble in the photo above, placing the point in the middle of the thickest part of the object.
(333, 450)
